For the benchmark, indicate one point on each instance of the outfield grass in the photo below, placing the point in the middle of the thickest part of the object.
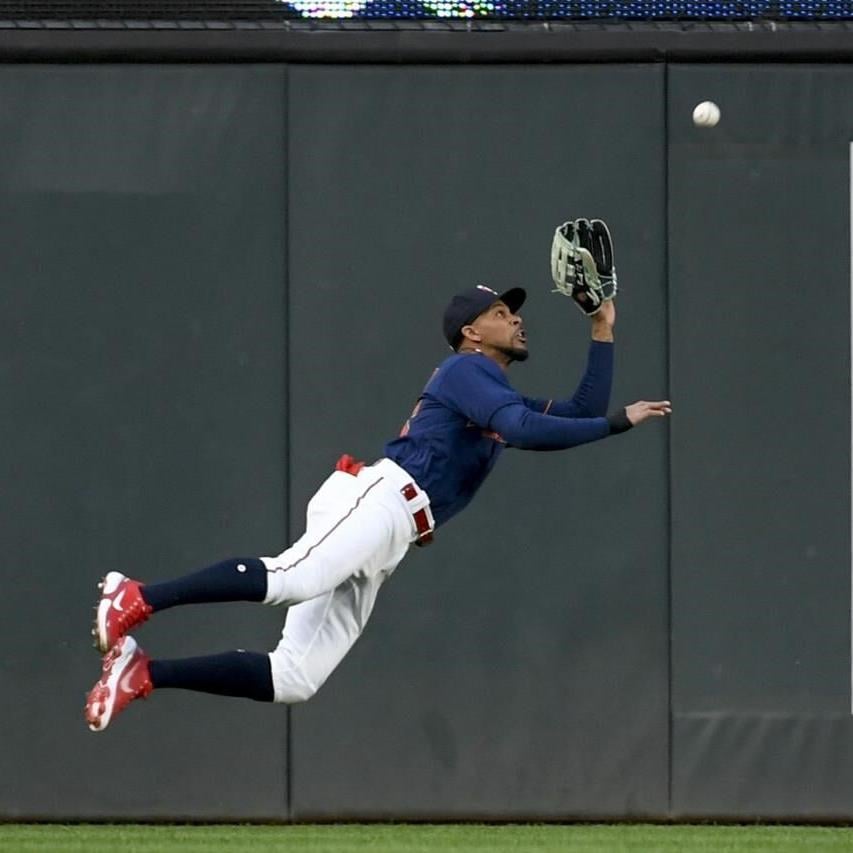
(413, 838)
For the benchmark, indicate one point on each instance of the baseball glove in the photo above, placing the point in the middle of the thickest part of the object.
(582, 263)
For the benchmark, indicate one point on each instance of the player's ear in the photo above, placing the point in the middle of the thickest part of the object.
(471, 334)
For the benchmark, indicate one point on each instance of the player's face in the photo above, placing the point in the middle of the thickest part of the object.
(502, 330)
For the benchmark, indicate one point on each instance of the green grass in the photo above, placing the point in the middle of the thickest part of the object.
(414, 838)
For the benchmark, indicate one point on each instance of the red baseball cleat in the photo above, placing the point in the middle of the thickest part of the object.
(120, 609)
(124, 677)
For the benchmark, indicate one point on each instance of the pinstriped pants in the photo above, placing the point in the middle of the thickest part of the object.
(358, 529)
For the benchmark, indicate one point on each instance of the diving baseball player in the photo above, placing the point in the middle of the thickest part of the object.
(364, 518)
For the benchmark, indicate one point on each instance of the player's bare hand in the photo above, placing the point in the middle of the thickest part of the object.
(643, 410)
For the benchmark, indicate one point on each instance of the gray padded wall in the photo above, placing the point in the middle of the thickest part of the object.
(141, 379)
(212, 288)
(760, 283)
(518, 666)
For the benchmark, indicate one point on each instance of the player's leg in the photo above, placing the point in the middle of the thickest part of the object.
(316, 637)
(359, 529)
(126, 603)
(352, 525)
(128, 673)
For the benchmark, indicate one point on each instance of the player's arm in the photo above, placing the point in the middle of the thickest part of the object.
(527, 430)
(603, 322)
(476, 388)
(592, 396)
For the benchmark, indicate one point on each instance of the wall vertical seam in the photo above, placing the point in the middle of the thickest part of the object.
(850, 360)
(286, 353)
(668, 455)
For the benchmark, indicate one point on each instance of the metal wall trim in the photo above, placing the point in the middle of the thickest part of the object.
(540, 42)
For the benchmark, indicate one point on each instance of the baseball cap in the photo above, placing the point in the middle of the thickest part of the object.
(466, 306)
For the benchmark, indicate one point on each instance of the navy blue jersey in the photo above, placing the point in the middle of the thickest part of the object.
(469, 412)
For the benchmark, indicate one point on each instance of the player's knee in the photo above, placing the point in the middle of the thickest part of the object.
(291, 683)
(292, 693)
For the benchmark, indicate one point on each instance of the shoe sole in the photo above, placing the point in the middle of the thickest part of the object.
(123, 653)
(108, 585)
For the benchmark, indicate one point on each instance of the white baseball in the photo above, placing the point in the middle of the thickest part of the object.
(706, 114)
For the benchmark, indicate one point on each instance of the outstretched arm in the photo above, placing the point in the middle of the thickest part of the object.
(528, 430)
(477, 388)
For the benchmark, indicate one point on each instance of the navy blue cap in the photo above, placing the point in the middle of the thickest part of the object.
(465, 307)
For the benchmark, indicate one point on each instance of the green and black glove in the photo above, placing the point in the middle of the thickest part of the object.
(582, 263)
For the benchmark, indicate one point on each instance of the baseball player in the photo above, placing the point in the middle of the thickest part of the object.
(364, 518)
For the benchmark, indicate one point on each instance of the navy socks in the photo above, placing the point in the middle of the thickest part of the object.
(245, 674)
(242, 579)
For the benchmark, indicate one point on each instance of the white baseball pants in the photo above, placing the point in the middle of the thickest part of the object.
(358, 529)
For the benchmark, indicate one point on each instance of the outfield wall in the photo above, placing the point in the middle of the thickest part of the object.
(218, 278)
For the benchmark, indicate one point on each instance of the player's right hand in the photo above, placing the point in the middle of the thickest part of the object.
(643, 410)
